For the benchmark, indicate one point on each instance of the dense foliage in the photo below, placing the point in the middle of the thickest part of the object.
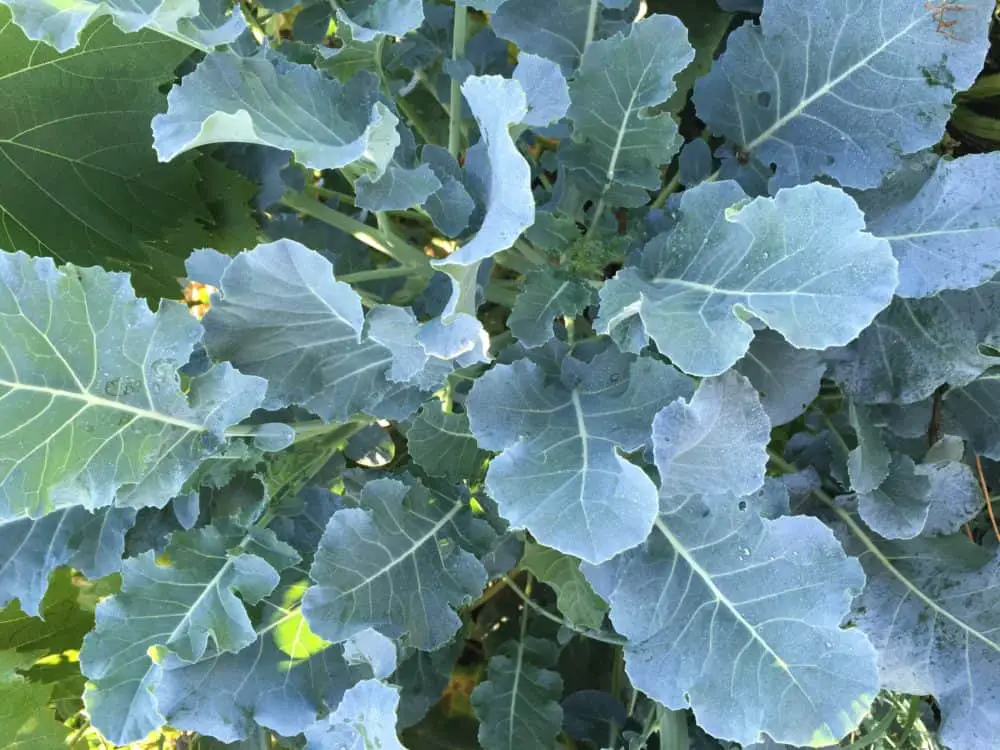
(511, 374)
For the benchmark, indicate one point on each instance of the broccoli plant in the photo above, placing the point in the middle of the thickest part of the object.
(511, 374)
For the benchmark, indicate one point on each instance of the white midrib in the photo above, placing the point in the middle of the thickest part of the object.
(209, 587)
(581, 428)
(706, 578)
(431, 533)
(887, 563)
(104, 403)
(829, 86)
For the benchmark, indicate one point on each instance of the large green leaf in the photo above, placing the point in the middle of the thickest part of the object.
(560, 474)
(400, 563)
(800, 262)
(930, 609)
(618, 146)
(80, 181)
(738, 617)
(26, 721)
(200, 23)
(266, 100)
(843, 89)
(174, 609)
(90, 397)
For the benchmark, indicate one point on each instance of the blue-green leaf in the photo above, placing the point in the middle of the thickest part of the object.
(369, 19)
(787, 379)
(739, 618)
(91, 542)
(800, 262)
(842, 90)
(868, 463)
(518, 704)
(283, 316)
(441, 443)
(555, 30)
(399, 563)
(174, 608)
(917, 345)
(266, 100)
(897, 508)
(364, 720)
(618, 146)
(200, 23)
(497, 104)
(716, 443)
(547, 294)
(943, 220)
(90, 374)
(559, 474)
(544, 87)
(930, 609)
(574, 596)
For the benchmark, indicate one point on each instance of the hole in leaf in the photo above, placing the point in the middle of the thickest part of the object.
(743, 505)
(764, 99)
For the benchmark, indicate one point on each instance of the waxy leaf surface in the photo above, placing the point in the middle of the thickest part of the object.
(800, 262)
(89, 374)
(560, 474)
(843, 89)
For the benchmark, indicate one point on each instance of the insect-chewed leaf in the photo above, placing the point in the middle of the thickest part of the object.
(90, 542)
(518, 705)
(560, 474)
(547, 294)
(916, 345)
(739, 618)
(788, 379)
(943, 220)
(618, 145)
(283, 316)
(230, 98)
(364, 720)
(89, 374)
(200, 23)
(400, 563)
(716, 444)
(930, 608)
(843, 90)
(801, 262)
(178, 607)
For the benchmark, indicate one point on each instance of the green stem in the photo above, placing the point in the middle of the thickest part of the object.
(598, 210)
(911, 716)
(370, 236)
(591, 22)
(877, 732)
(614, 640)
(531, 254)
(669, 189)
(376, 274)
(459, 32)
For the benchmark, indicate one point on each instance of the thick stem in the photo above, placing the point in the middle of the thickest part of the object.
(459, 32)
(591, 22)
(370, 236)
